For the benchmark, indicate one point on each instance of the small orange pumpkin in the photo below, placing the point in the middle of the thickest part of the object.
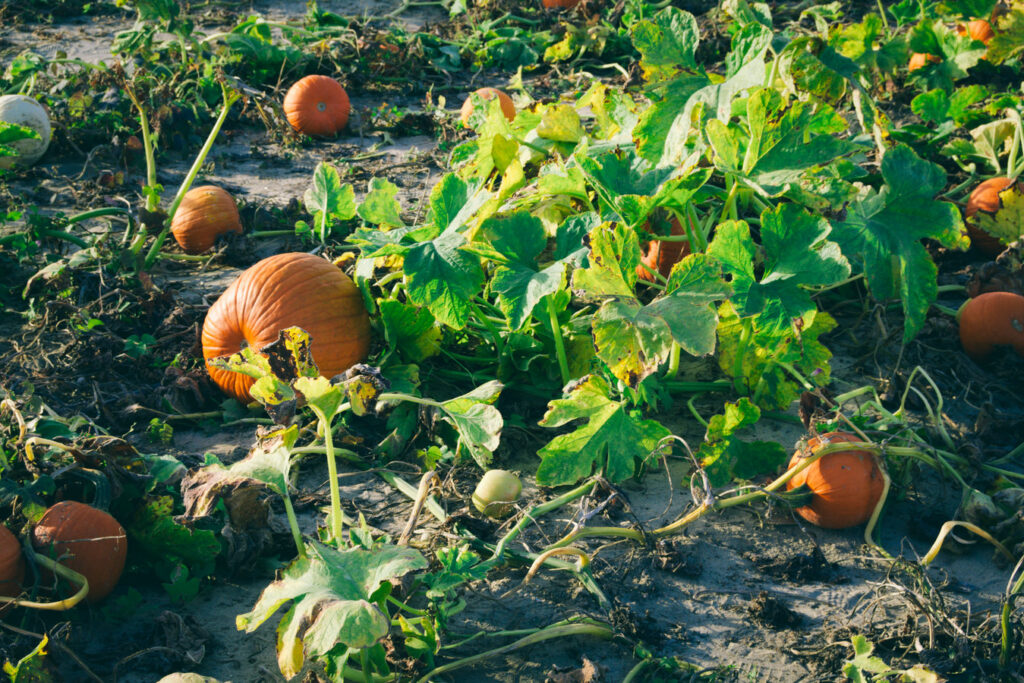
(978, 29)
(845, 486)
(12, 564)
(919, 59)
(293, 289)
(507, 107)
(317, 106)
(661, 256)
(205, 213)
(985, 198)
(84, 539)
(989, 320)
(560, 4)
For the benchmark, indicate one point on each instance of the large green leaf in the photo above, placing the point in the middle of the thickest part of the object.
(610, 440)
(797, 255)
(477, 421)
(444, 278)
(328, 199)
(883, 229)
(331, 592)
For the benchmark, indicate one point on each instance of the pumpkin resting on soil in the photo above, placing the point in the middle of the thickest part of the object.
(12, 564)
(990, 320)
(660, 256)
(507, 107)
(985, 198)
(282, 291)
(317, 106)
(84, 539)
(205, 213)
(845, 486)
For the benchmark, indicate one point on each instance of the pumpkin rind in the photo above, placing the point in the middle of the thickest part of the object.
(25, 111)
(317, 105)
(985, 198)
(845, 486)
(293, 289)
(978, 29)
(84, 539)
(560, 4)
(992, 319)
(12, 564)
(205, 213)
(661, 256)
(508, 108)
(919, 59)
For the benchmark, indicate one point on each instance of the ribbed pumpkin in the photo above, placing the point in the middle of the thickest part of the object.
(84, 539)
(661, 256)
(205, 213)
(317, 105)
(989, 320)
(985, 198)
(507, 107)
(845, 486)
(12, 564)
(281, 291)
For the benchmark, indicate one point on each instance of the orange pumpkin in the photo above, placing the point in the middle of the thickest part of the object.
(845, 486)
(661, 256)
(985, 198)
(507, 107)
(978, 29)
(989, 320)
(205, 213)
(919, 59)
(281, 291)
(12, 564)
(84, 539)
(560, 4)
(317, 106)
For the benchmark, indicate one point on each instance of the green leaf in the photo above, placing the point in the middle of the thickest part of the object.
(409, 330)
(883, 230)
(380, 206)
(796, 256)
(725, 457)
(444, 278)
(328, 200)
(1008, 41)
(32, 668)
(560, 123)
(932, 106)
(783, 140)
(666, 43)
(757, 357)
(610, 440)
(866, 44)
(633, 339)
(330, 592)
(478, 423)
(611, 263)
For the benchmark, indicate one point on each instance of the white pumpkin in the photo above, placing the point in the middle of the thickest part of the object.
(25, 111)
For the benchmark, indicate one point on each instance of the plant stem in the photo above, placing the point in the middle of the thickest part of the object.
(59, 605)
(556, 331)
(293, 523)
(332, 472)
(532, 515)
(229, 99)
(586, 627)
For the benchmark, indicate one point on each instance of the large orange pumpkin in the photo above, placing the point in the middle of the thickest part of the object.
(989, 320)
(661, 256)
(12, 564)
(985, 198)
(204, 214)
(281, 291)
(84, 539)
(317, 105)
(845, 486)
(507, 106)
